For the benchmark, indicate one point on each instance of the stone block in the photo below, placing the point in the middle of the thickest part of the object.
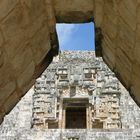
(136, 49)
(1, 38)
(36, 9)
(124, 66)
(126, 34)
(6, 74)
(74, 11)
(22, 59)
(2, 57)
(6, 90)
(109, 28)
(26, 76)
(98, 12)
(10, 102)
(13, 31)
(6, 7)
(34, 27)
(127, 11)
(41, 44)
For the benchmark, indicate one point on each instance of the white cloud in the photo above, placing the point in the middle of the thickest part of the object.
(65, 33)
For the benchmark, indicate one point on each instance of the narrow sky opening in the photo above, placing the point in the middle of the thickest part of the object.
(76, 36)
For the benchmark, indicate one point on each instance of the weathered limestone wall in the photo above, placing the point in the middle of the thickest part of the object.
(130, 114)
(27, 38)
(119, 23)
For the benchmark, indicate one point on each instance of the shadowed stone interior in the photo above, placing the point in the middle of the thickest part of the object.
(76, 118)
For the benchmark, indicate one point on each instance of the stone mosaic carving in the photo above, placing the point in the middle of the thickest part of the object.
(76, 77)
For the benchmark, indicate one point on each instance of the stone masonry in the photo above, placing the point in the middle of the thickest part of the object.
(28, 41)
(74, 82)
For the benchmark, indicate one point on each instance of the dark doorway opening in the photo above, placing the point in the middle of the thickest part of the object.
(76, 118)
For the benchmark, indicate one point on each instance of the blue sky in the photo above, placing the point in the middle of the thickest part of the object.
(76, 36)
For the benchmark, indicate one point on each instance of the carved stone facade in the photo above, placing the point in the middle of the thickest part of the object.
(76, 98)
(81, 82)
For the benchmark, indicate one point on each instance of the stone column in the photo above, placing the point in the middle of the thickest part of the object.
(60, 114)
(87, 117)
(90, 117)
(64, 118)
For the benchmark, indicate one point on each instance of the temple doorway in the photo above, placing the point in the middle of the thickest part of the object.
(76, 118)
